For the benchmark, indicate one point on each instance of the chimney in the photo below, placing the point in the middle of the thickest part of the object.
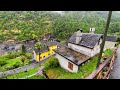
(78, 36)
(92, 30)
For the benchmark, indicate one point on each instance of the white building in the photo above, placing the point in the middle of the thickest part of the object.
(70, 59)
(110, 42)
(85, 43)
(81, 46)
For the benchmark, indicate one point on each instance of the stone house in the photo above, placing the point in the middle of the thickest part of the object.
(80, 48)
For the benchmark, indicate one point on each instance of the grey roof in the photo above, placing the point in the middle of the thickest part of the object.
(111, 38)
(88, 40)
(18, 46)
(44, 49)
(71, 55)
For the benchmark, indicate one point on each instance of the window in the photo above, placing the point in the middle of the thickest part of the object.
(70, 65)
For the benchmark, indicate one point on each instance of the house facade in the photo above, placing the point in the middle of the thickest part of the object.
(44, 52)
(66, 64)
(88, 45)
(110, 42)
(80, 48)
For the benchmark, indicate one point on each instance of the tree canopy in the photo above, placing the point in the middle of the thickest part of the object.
(26, 25)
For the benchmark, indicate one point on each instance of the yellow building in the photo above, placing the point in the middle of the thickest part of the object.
(44, 52)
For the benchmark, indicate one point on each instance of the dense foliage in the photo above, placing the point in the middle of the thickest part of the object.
(84, 71)
(14, 60)
(25, 25)
(51, 63)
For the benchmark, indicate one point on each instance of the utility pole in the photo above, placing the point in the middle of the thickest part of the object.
(104, 37)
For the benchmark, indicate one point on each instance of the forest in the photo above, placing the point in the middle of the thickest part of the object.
(27, 25)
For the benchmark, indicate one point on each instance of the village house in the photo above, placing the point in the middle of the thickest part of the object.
(81, 47)
(45, 52)
(110, 42)
(85, 43)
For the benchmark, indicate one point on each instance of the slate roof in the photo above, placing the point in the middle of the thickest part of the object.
(88, 40)
(48, 43)
(44, 49)
(111, 38)
(71, 55)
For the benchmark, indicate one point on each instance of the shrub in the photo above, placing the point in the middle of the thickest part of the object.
(51, 63)
(23, 59)
(2, 62)
(9, 67)
(23, 50)
(9, 56)
(108, 52)
(29, 56)
(118, 40)
(16, 65)
(12, 55)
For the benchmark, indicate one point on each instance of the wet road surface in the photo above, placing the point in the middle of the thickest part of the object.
(115, 73)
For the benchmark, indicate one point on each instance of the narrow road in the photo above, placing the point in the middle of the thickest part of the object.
(115, 73)
(18, 70)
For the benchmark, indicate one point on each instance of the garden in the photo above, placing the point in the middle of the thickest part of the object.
(54, 71)
(28, 74)
(14, 60)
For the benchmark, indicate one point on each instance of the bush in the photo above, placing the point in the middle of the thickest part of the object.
(16, 65)
(51, 63)
(118, 40)
(29, 56)
(2, 62)
(23, 50)
(9, 67)
(9, 56)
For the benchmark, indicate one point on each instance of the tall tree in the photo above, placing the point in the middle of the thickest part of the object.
(23, 49)
(38, 46)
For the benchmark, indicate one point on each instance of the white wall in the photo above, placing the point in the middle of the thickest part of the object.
(64, 63)
(85, 50)
(109, 44)
(80, 49)
(96, 49)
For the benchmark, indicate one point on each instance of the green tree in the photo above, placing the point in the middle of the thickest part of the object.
(38, 46)
(23, 49)
(23, 59)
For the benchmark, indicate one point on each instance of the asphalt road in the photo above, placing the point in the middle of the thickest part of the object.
(115, 73)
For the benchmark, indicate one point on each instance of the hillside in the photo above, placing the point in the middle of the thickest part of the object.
(26, 25)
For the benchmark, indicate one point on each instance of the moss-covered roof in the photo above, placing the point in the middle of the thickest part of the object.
(71, 55)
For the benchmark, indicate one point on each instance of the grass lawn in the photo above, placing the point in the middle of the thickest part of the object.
(36, 77)
(10, 60)
(23, 74)
(84, 71)
(62, 42)
(108, 52)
